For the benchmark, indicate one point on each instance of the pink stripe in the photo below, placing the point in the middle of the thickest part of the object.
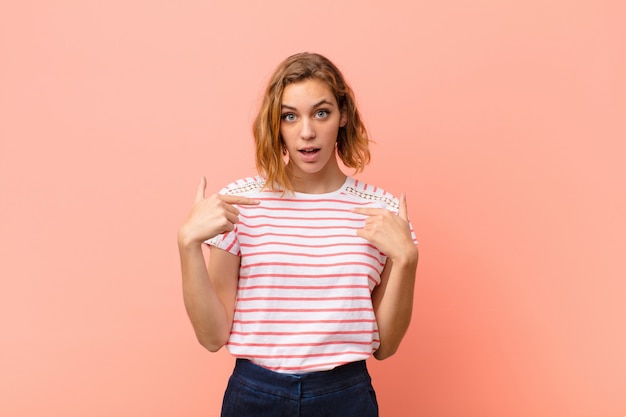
(310, 265)
(302, 201)
(342, 219)
(302, 245)
(305, 209)
(299, 226)
(299, 310)
(316, 209)
(303, 276)
(303, 298)
(301, 333)
(337, 342)
(368, 321)
(231, 246)
(296, 235)
(314, 355)
(301, 287)
(313, 255)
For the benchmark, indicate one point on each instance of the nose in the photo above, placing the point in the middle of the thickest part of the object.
(307, 130)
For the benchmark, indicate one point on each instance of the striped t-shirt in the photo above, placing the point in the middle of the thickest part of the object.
(305, 282)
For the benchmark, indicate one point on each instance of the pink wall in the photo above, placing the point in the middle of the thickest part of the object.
(503, 121)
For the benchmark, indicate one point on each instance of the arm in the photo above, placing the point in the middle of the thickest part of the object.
(393, 298)
(393, 303)
(209, 296)
(209, 293)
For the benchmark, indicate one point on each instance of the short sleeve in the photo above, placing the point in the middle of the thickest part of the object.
(229, 241)
(226, 241)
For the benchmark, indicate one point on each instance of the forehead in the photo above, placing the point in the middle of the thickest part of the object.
(307, 92)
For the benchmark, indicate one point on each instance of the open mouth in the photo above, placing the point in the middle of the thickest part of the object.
(309, 151)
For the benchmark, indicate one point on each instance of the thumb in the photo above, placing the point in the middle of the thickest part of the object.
(200, 191)
(402, 208)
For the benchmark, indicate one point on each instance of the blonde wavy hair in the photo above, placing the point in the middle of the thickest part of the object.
(352, 139)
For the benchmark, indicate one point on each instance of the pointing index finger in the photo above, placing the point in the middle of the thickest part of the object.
(368, 211)
(235, 199)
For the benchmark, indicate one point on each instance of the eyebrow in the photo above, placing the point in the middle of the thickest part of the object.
(319, 103)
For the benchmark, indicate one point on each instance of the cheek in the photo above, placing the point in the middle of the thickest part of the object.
(285, 135)
(331, 132)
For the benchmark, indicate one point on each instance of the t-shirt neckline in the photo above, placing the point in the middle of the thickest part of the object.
(343, 186)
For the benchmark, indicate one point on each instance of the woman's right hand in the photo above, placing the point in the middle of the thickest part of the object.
(210, 216)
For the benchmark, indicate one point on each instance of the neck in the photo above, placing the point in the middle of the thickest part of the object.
(317, 183)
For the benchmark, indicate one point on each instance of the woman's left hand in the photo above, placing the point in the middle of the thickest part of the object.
(390, 233)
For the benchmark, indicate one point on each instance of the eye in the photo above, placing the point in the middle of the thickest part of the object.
(322, 114)
(288, 117)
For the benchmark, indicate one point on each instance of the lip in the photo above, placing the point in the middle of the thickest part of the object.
(309, 154)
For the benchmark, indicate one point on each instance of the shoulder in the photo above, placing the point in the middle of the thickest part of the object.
(371, 193)
(244, 186)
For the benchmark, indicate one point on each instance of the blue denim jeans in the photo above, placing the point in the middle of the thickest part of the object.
(254, 391)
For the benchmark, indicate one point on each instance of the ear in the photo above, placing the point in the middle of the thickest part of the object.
(344, 118)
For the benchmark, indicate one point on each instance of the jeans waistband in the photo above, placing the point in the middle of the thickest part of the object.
(300, 385)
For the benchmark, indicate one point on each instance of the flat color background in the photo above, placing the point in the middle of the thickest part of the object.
(504, 121)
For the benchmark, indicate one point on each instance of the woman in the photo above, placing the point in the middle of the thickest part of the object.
(310, 271)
